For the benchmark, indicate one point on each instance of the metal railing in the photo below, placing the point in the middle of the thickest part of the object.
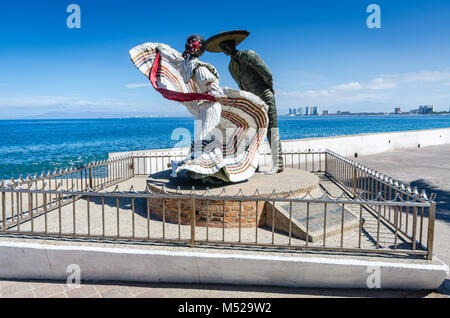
(153, 162)
(79, 206)
(88, 177)
(85, 176)
(367, 184)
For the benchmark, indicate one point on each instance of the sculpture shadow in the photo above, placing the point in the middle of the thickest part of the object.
(442, 199)
(184, 182)
(140, 204)
(444, 288)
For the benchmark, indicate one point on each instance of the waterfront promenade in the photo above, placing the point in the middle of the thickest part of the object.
(427, 167)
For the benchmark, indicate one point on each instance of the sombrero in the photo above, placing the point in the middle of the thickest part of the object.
(213, 43)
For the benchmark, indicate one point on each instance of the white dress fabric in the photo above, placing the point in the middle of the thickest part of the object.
(229, 131)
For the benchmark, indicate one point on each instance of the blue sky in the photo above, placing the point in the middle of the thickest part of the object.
(320, 52)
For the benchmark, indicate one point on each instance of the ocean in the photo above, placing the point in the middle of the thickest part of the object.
(29, 146)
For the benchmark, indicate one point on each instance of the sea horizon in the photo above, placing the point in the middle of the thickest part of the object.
(187, 116)
(30, 146)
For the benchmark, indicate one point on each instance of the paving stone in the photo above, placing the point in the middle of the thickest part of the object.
(103, 287)
(151, 293)
(82, 291)
(117, 292)
(59, 295)
(20, 294)
(49, 290)
(17, 287)
(135, 290)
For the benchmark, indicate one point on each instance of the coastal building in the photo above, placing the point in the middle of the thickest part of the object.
(290, 111)
(325, 112)
(398, 110)
(306, 111)
(315, 111)
(300, 111)
(427, 109)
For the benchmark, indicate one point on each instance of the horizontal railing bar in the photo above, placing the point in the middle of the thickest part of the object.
(115, 238)
(214, 242)
(318, 247)
(228, 197)
(263, 154)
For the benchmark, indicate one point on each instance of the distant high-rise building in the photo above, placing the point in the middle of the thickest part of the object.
(306, 111)
(325, 112)
(300, 111)
(315, 111)
(290, 111)
(294, 110)
(398, 110)
(427, 109)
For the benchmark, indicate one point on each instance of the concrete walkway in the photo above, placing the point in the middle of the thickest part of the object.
(21, 289)
(427, 168)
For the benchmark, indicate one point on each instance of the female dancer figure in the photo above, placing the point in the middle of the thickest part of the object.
(230, 124)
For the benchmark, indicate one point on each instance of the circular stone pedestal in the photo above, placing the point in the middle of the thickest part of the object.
(227, 213)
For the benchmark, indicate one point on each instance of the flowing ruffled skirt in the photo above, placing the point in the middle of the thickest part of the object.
(232, 154)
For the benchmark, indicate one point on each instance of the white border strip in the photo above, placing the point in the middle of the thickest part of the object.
(43, 261)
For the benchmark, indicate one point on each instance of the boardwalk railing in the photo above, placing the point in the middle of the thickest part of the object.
(367, 184)
(153, 162)
(76, 203)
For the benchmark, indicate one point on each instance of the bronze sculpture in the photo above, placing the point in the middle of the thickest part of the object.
(230, 124)
(252, 75)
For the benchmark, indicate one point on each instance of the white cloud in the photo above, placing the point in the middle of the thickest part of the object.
(59, 101)
(381, 83)
(419, 77)
(36, 101)
(373, 90)
(352, 86)
(131, 86)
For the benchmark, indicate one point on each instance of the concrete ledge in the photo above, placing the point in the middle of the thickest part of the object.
(39, 261)
(348, 145)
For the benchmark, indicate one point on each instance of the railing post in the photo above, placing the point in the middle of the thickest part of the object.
(192, 220)
(90, 177)
(4, 211)
(354, 180)
(430, 238)
(326, 162)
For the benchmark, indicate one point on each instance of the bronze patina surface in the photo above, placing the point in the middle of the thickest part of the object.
(252, 75)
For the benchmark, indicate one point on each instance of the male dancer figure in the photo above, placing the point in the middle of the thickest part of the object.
(252, 75)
